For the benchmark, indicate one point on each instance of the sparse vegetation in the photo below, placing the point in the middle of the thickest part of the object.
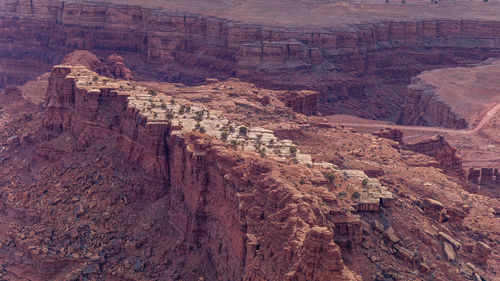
(199, 128)
(182, 110)
(223, 136)
(152, 92)
(234, 144)
(342, 194)
(302, 181)
(243, 130)
(364, 182)
(95, 78)
(262, 153)
(199, 115)
(330, 177)
(293, 150)
(355, 195)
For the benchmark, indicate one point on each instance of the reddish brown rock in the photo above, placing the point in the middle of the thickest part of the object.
(111, 67)
(422, 108)
(445, 154)
(482, 252)
(319, 258)
(236, 185)
(392, 134)
(305, 102)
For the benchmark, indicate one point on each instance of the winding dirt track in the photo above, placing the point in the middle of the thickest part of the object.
(482, 122)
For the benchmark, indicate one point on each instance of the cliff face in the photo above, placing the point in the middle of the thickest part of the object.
(423, 108)
(237, 208)
(341, 64)
(445, 154)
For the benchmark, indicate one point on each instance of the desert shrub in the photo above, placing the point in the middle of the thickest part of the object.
(342, 194)
(364, 182)
(355, 195)
(330, 176)
(223, 136)
(234, 144)
(243, 130)
(262, 152)
(199, 115)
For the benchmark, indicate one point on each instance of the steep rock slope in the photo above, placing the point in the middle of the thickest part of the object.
(233, 207)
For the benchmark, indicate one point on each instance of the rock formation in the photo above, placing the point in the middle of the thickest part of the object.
(111, 67)
(423, 108)
(92, 108)
(444, 153)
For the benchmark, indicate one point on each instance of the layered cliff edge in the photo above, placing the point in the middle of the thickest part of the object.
(234, 206)
(347, 65)
(458, 98)
(422, 107)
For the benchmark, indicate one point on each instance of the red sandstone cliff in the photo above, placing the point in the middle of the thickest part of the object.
(235, 207)
(445, 154)
(423, 108)
(111, 67)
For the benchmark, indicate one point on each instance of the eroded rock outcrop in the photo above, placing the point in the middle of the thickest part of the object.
(305, 102)
(445, 154)
(111, 67)
(423, 108)
(235, 206)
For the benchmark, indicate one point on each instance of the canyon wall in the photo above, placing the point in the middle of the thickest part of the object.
(237, 207)
(340, 62)
(445, 154)
(422, 107)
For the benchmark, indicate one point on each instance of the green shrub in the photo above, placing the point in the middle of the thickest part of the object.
(355, 195)
(330, 176)
(364, 182)
(342, 194)
(223, 136)
(262, 152)
(243, 130)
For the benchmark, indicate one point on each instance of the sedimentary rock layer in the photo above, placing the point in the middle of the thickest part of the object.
(422, 107)
(218, 199)
(445, 154)
(341, 63)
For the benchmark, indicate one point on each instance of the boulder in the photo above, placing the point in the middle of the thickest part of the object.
(449, 252)
(447, 238)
